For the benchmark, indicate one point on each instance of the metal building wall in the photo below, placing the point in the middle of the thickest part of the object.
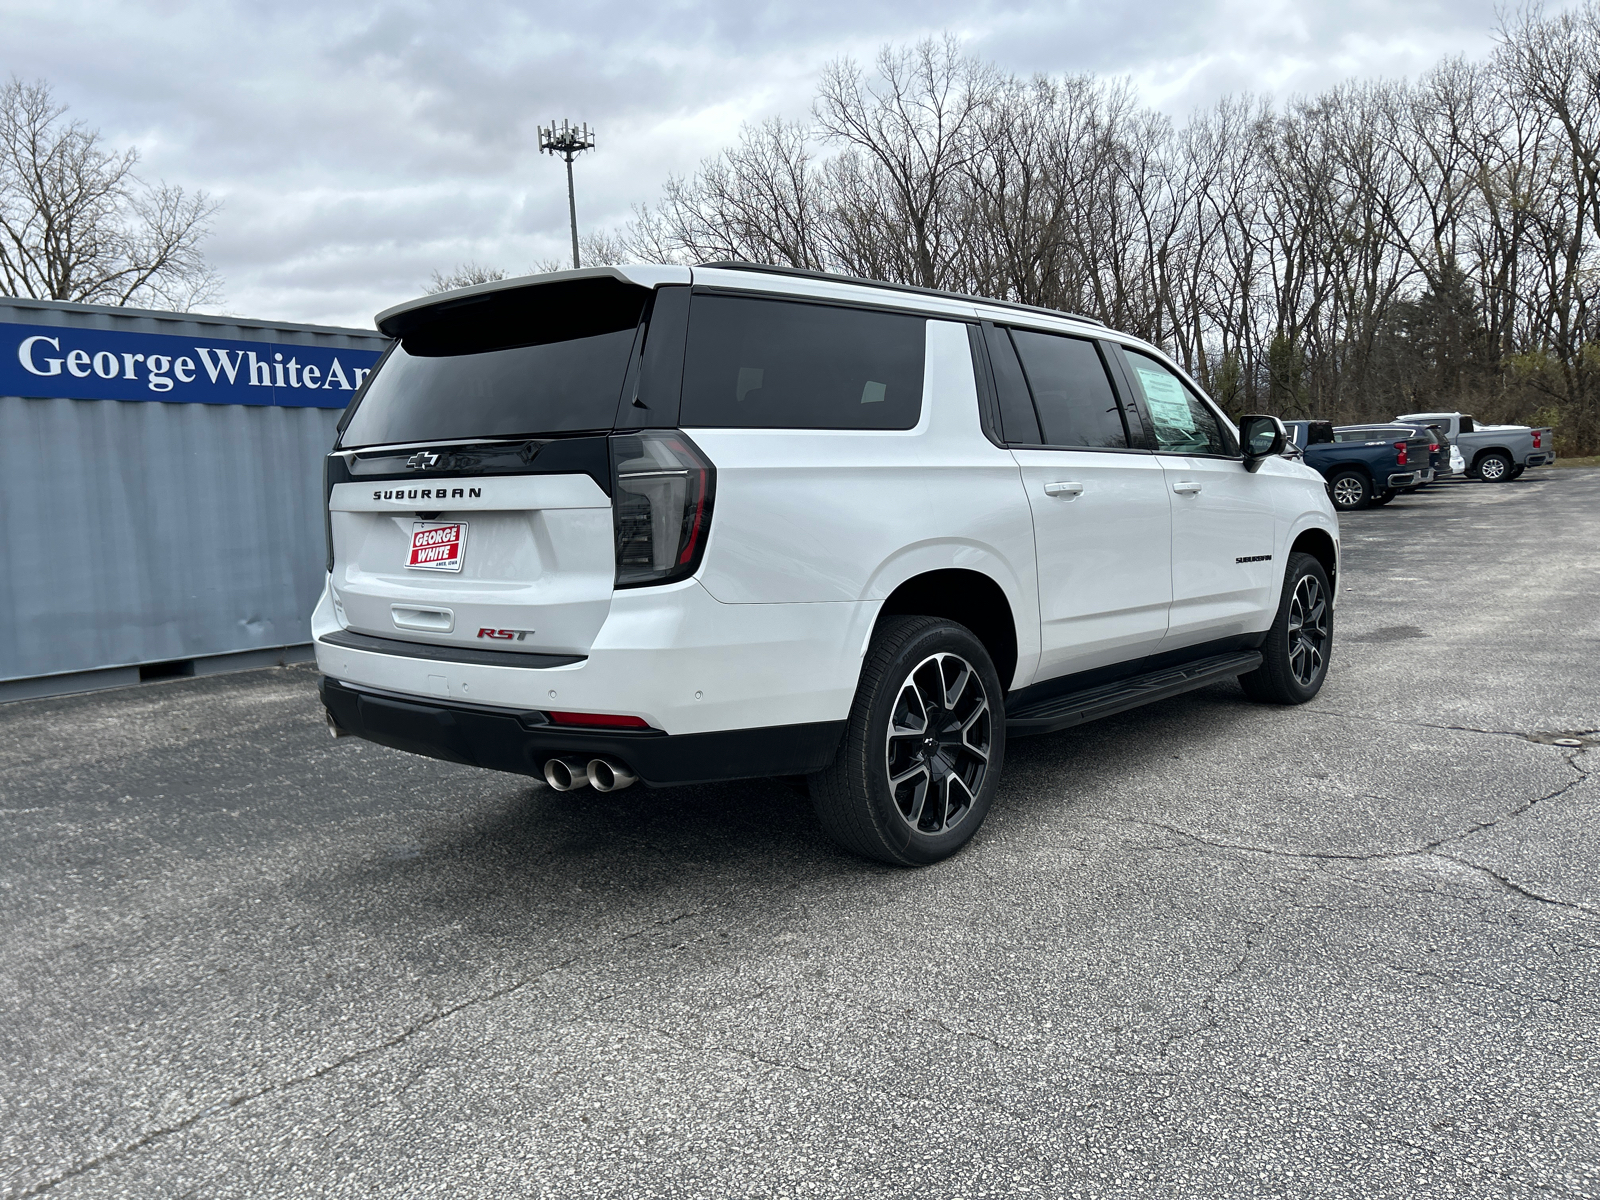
(144, 531)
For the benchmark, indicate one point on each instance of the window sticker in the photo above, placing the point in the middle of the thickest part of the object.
(874, 393)
(1169, 404)
(749, 381)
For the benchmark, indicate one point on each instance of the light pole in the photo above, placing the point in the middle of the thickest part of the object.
(569, 141)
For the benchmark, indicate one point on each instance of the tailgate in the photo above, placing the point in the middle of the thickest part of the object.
(509, 562)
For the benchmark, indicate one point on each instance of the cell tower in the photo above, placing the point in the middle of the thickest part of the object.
(569, 141)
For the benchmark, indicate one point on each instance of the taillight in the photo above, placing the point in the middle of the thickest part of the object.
(1401, 446)
(1434, 449)
(1537, 438)
(661, 505)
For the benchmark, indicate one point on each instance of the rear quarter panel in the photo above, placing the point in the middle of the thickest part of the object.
(828, 516)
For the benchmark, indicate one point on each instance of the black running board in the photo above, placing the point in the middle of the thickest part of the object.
(1062, 712)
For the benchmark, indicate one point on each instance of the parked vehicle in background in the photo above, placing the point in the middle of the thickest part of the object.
(1361, 470)
(669, 525)
(1438, 448)
(1492, 453)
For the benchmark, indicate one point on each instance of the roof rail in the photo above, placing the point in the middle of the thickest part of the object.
(835, 277)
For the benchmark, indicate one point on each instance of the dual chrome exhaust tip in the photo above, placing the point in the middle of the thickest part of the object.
(602, 774)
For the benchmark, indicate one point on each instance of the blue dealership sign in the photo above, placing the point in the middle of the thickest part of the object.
(83, 363)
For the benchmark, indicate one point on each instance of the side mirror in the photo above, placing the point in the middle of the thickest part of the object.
(1262, 437)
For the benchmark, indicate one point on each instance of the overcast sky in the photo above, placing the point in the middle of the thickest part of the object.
(356, 147)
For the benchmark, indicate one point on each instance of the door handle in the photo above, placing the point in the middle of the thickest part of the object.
(1186, 488)
(1063, 489)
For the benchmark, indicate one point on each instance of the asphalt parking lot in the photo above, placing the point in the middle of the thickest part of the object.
(1204, 949)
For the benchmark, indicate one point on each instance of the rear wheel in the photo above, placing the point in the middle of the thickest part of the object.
(1385, 496)
(1349, 491)
(1494, 468)
(1295, 653)
(1516, 472)
(922, 751)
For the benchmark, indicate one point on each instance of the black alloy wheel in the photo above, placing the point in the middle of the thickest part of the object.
(1494, 467)
(1297, 648)
(921, 755)
(1349, 490)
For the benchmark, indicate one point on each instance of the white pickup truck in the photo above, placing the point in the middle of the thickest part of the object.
(1492, 453)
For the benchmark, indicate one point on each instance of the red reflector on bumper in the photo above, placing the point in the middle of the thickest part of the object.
(607, 720)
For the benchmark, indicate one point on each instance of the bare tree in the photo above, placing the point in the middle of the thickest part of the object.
(76, 223)
(1344, 255)
(913, 132)
(463, 275)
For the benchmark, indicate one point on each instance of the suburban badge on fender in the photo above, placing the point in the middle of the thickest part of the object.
(437, 546)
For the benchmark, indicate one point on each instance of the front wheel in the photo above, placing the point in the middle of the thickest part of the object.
(922, 750)
(1349, 490)
(1295, 653)
(1494, 468)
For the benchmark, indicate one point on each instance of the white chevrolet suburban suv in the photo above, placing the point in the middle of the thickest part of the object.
(676, 525)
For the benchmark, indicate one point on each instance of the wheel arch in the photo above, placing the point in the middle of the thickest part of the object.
(1318, 543)
(967, 597)
(1355, 465)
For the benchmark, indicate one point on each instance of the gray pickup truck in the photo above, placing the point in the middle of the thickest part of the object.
(1492, 453)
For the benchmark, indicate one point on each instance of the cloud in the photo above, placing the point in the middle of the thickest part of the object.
(357, 148)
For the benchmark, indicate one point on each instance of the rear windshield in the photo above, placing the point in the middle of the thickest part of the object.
(531, 361)
(778, 364)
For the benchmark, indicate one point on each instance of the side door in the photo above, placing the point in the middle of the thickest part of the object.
(1101, 517)
(1224, 573)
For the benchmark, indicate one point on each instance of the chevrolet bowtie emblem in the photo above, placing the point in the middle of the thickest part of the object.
(422, 461)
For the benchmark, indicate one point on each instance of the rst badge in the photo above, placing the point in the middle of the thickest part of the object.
(437, 547)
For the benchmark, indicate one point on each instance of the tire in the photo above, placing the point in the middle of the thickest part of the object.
(1516, 472)
(1294, 658)
(1493, 467)
(916, 668)
(1350, 490)
(1416, 487)
(1384, 497)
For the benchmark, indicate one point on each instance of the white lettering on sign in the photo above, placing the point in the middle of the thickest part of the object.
(25, 355)
(100, 363)
(437, 547)
(222, 365)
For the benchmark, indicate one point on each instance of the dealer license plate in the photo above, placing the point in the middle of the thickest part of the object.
(437, 546)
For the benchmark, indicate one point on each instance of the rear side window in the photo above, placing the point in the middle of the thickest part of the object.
(1071, 391)
(1183, 424)
(776, 364)
(529, 361)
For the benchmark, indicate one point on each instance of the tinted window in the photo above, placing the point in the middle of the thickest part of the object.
(535, 360)
(1183, 424)
(775, 364)
(1071, 391)
(1016, 407)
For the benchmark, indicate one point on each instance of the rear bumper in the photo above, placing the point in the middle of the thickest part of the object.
(1540, 459)
(1408, 478)
(521, 742)
(674, 656)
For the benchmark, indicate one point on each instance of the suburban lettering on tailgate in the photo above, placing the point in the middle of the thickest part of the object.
(428, 494)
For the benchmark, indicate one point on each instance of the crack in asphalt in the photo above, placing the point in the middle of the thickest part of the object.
(1208, 1002)
(1375, 856)
(1572, 761)
(1459, 980)
(354, 1056)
